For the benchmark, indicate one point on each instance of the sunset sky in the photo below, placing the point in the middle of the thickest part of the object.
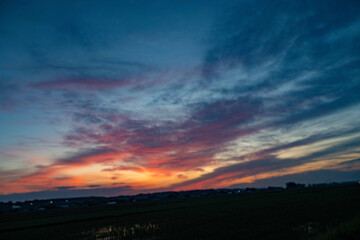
(126, 97)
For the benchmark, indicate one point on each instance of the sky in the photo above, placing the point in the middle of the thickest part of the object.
(125, 97)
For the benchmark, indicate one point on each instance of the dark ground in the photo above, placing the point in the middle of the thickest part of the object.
(321, 213)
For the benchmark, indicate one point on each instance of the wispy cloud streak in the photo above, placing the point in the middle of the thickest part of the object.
(211, 98)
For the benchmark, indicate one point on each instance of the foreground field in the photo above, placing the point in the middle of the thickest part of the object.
(326, 213)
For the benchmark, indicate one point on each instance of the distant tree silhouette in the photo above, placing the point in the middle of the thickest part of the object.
(250, 189)
(294, 185)
(291, 185)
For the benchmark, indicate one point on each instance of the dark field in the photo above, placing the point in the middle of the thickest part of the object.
(307, 213)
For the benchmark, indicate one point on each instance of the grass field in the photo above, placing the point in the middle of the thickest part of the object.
(309, 213)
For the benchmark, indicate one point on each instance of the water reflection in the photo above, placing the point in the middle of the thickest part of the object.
(120, 232)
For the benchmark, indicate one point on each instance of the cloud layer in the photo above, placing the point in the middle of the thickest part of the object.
(194, 97)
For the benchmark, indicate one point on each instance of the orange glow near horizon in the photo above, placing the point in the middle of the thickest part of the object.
(91, 172)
